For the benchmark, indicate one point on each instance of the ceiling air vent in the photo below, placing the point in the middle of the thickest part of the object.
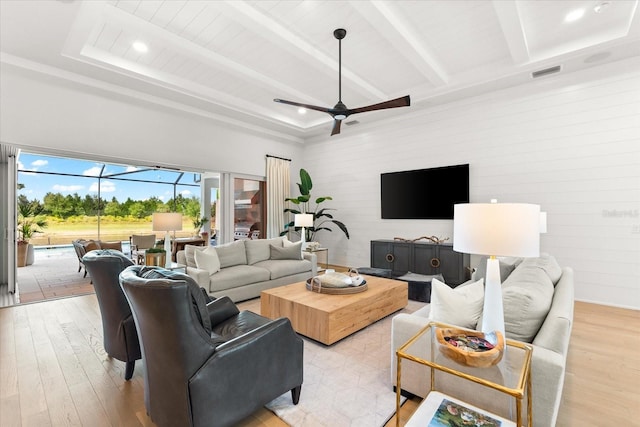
(352, 122)
(546, 71)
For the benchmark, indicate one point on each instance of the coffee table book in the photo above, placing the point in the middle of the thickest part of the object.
(441, 410)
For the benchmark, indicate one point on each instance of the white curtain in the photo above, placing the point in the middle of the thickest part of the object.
(8, 183)
(278, 189)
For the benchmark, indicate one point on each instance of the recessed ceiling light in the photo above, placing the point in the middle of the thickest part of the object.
(600, 7)
(302, 110)
(140, 46)
(574, 15)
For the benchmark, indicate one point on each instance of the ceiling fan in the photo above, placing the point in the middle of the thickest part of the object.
(340, 111)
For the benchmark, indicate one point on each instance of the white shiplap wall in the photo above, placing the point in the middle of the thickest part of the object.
(570, 143)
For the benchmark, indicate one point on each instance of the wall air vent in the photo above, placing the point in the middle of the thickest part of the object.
(546, 71)
(351, 122)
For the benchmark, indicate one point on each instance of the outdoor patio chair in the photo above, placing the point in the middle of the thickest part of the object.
(139, 243)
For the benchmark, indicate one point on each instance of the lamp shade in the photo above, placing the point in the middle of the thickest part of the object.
(167, 221)
(303, 220)
(498, 229)
(543, 222)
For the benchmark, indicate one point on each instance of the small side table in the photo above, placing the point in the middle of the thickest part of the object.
(322, 260)
(512, 376)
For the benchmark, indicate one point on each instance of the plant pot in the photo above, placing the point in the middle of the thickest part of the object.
(158, 259)
(30, 254)
(22, 253)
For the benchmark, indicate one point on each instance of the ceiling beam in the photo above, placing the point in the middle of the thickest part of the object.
(404, 38)
(278, 34)
(513, 30)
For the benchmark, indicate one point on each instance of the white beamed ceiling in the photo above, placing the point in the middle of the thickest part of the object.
(230, 59)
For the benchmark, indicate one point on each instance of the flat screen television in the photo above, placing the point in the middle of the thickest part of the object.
(424, 193)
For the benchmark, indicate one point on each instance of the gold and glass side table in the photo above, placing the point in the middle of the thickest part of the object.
(486, 394)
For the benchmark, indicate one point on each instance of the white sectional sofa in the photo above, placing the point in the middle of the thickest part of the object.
(247, 267)
(538, 301)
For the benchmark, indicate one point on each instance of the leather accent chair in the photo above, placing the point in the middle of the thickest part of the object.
(207, 364)
(120, 337)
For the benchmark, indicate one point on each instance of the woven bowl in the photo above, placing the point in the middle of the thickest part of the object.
(467, 356)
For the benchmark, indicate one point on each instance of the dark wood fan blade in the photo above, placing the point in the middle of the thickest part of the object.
(307, 106)
(336, 127)
(404, 101)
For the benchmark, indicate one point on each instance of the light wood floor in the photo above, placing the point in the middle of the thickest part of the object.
(54, 372)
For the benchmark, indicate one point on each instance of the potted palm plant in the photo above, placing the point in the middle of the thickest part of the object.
(198, 223)
(28, 225)
(322, 217)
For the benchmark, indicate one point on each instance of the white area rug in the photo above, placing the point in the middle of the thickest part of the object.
(346, 384)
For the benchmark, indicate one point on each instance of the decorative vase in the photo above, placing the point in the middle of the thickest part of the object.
(22, 253)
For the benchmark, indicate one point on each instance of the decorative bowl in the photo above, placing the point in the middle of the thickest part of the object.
(470, 348)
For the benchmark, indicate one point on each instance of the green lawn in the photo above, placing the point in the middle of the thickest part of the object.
(60, 232)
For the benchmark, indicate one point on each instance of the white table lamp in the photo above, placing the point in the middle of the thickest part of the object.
(496, 229)
(543, 222)
(303, 220)
(167, 221)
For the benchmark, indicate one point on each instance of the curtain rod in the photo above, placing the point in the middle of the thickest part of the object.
(276, 157)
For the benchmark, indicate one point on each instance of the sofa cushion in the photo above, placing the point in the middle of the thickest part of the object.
(237, 276)
(506, 268)
(285, 267)
(208, 260)
(290, 252)
(527, 295)
(547, 263)
(231, 254)
(461, 306)
(258, 249)
(189, 251)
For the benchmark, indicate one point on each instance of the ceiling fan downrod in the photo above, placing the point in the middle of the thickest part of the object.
(339, 34)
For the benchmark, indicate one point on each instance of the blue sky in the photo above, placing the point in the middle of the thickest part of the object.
(38, 184)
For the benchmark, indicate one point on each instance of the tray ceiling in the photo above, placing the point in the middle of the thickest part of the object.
(229, 59)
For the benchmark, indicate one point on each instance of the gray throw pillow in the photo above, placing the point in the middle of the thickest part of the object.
(527, 296)
(231, 254)
(189, 254)
(290, 252)
(547, 263)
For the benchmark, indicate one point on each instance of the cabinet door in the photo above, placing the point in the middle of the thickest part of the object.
(395, 256)
(453, 265)
(379, 251)
(423, 256)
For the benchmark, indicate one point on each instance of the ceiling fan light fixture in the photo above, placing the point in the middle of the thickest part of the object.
(340, 111)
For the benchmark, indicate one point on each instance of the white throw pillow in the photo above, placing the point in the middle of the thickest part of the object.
(458, 306)
(208, 260)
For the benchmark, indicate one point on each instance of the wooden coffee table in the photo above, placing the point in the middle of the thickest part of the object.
(328, 318)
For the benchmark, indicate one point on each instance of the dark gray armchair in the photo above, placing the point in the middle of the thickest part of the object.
(120, 337)
(207, 364)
